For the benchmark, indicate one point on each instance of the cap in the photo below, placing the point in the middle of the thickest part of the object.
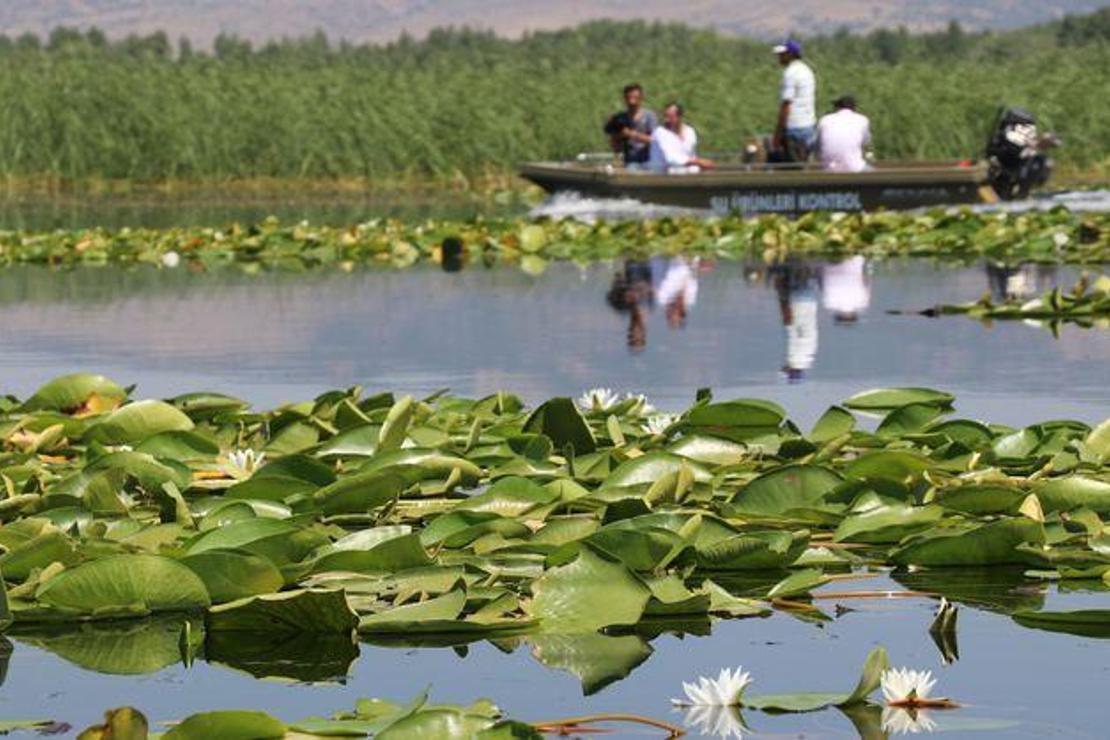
(790, 46)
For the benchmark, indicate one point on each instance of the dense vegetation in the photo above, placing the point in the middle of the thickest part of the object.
(1057, 236)
(79, 107)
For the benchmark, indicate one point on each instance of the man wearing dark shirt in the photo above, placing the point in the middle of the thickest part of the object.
(630, 130)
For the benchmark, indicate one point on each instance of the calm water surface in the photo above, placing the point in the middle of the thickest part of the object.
(805, 336)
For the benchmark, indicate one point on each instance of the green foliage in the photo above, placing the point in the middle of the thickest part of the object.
(79, 107)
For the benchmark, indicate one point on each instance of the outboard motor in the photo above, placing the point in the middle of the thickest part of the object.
(1017, 154)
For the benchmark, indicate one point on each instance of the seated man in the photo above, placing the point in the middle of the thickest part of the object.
(842, 137)
(674, 145)
(630, 130)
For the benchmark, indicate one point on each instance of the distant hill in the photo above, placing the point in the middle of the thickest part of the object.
(382, 20)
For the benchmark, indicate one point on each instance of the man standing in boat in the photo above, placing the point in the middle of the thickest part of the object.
(630, 130)
(796, 128)
(674, 145)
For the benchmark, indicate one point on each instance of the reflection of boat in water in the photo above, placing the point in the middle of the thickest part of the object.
(763, 188)
(1014, 163)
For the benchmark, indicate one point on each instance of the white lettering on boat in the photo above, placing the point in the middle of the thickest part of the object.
(790, 201)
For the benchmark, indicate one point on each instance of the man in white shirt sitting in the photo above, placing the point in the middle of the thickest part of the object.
(674, 145)
(842, 137)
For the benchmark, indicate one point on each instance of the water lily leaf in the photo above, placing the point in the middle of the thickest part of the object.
(436, 722)
(180, 446)
(869, 681)
(890, 521)
(125, 723)
(510, 496)
(360, 441)
(642, 548)
(595, 590)
(908, 419)
(396, 425)
(397, 553)
(597, 660)
(423, 464)
(982, 499)
(142, 583)
(137, 421)
(789, 487)
(303, 611)
(439, 609)
(297, 467)
(5, 609)
(275, 539)
(709, 450)
(560, 421)
(887, 399)
(1098, 441)
(205, 405)
(228, 725)
(647, 469)
(895, 466)
(798, 584)
(51, 546)
(1082, 622)
(230, 575)
(833, 423)
(362, 492)
(986, 544)
(1074, 492)
(755, 551)
(70, 392)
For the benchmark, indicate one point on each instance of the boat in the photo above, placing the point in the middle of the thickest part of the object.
(1014, 163)
(765, 188)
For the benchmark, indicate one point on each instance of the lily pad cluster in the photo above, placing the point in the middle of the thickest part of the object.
(1087, 304)
(962, 235)
(197, 526)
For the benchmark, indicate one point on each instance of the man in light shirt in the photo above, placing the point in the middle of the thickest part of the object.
(842, 137)
(796, 129)
(674, 145)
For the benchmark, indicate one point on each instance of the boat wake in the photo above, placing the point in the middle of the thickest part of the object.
(590, 210)
(1079, 201)
(573, 205)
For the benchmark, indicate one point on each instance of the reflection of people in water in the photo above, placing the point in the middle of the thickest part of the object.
(846, 289)
(644, 284)
(1018, 282)
(678, 290)
(796, 284)
(631, 291)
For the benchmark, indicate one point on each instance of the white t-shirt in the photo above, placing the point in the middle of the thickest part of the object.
(841, 139)
(671, 152)
(799, 86)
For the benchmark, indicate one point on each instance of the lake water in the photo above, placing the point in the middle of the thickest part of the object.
(806, 336)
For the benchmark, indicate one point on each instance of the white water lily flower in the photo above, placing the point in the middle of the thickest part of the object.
(906, 687)
(243, 463)
(640, 407)
(723, 691)
(1060, 239)
(598, 399)
(171, 259)
(900, 721)
(658, 424)
(722, 722)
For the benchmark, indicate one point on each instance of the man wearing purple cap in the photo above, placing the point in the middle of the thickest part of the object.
(796, 129)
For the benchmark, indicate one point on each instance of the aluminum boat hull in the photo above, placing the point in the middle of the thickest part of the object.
(758, 189)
